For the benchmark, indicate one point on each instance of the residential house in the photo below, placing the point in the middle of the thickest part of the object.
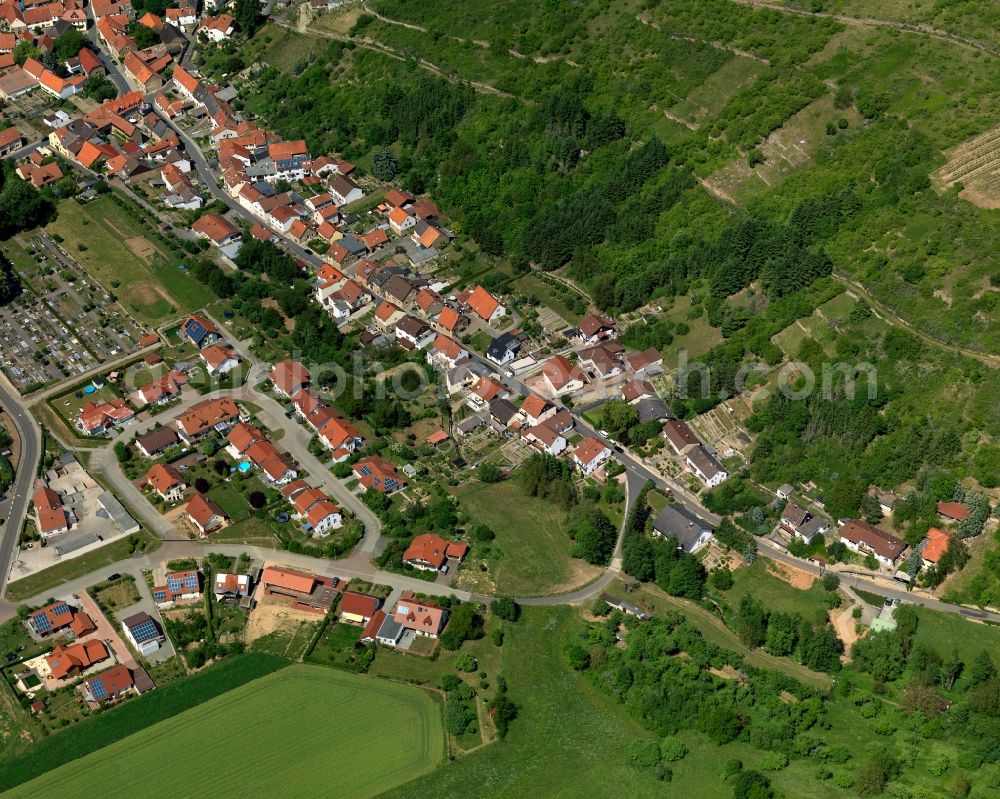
(216, 29)
(178, 586)
(591, 454)
(66, 662)
(602, 360)
(445, 352)
(646, 363)
(485, 305)
(933, 547)
(374, 239)
(484, 391)
(680, 436)
(52, 618)
(315, 509)
(205, 514)
(536, 409)
(200, 332)
(97, 418)
(389, 630)
(375, 472)
(217, 229)
(637, 389)
(344, 190)
(400, 221)
(675, 521)
(156, 441)
(107, 687)
(339, 435)
(705, 466)
(50, 517)
(562, 376)
(357, 608)
(427, 237)
(166, 481)
(429, 302)
(303, 591)
(289, 377)
(503, 411)
(369, 634)
(595, 328)
(451, 320)
(163, 389)
(10, 140)
(143, 632)
(544, 438)
(503, 349)
(429, 552)
(219, 359)
(387, 316)
(413, 333)
(801, 523)
(421, 616)
(953, 511)
(274, 465)
(886, 499)
(232, 587)
(859, 536)
(204, 417)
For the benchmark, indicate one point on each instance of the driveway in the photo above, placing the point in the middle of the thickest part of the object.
(145, 603)
(106, 632)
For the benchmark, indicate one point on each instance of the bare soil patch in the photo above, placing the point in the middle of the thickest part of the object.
(272, 615)
(797, 578)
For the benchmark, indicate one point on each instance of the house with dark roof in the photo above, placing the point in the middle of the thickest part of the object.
(143, 632)
(200, 332)
(675, 521)
(866, 539)
(700, 461)
(503, 349)
(156, 441)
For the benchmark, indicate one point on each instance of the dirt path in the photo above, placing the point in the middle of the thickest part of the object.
(717, 45)
(889, 316)
(869, 22)
(371, 44)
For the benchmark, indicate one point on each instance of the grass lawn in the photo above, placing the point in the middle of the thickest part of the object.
(946, 633)
(117, 595)
(534, 548)
(223, 742)
(568, 739)
(773, 592)
(69, 405)
(126, 261)
(249, 531)
(480, 341)
(534, 286)
(76, 567)
(231, 501)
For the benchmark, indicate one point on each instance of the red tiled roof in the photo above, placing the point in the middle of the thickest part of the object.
(299, 582)
(357, 604)
(937, 545)
(953, 510)
(483, 303)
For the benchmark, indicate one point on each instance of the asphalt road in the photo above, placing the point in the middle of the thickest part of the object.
(14, 506)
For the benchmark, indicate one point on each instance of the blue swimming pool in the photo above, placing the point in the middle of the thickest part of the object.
(89, 390)
(245, 466)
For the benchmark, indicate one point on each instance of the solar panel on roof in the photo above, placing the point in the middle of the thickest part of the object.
(97, 689)
(145, 631)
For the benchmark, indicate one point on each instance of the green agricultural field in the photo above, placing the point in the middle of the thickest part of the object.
(125, 258)
(531, 540)
(338, 719)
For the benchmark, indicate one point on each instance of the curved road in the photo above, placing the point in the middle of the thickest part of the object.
(14, 506)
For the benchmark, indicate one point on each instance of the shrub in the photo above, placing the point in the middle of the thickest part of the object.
(466, 662)
(671, 749)
(773, 761)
